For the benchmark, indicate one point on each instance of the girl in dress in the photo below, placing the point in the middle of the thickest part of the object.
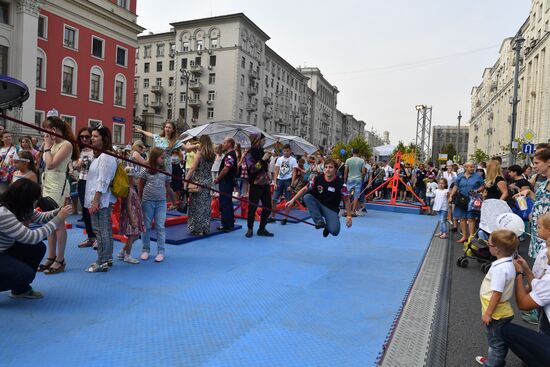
(131, 218)
(25, 167)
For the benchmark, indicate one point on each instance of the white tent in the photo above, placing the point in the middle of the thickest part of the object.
(383, 151)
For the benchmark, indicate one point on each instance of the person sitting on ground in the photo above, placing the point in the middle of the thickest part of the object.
(322, 198)
(21, 248)
(495, 293)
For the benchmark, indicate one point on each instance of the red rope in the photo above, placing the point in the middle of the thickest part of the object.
(32, 126)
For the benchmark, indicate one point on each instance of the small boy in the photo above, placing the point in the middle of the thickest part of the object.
(430, 193)
(496, 290)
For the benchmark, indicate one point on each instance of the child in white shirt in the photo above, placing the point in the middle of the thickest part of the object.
(430, 193)
(441, 206)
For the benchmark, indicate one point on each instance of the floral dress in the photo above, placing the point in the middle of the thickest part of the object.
(125, 226)
(541, 206)
(200, 202)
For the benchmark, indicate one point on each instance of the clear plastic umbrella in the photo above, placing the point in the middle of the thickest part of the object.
(220, 130)
(299, 145)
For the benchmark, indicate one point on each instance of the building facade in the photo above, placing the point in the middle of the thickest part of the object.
(221, 69)
(76, 56)
(444, 135)
(374, 139)
(491, 109)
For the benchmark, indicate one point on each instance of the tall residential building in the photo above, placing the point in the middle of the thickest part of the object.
(444, 135)
(76, 56)
(220, 69)
(374, 139)
(490, 124)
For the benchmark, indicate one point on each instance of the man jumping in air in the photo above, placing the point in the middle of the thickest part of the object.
(323, 197)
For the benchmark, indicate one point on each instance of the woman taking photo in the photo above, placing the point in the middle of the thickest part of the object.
(21, 248)
(99, 200)
(200, 199)
(57, 154)
(82, 165)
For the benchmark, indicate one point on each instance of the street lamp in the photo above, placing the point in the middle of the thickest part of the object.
(519, 40)
(458, 138)
(185, 76)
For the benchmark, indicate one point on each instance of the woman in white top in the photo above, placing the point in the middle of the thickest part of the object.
(82, 166)
(57, 154)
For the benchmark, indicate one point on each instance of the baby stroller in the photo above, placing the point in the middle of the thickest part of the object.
(476, 248)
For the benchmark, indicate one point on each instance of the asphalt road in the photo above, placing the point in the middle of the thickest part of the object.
(466, 334)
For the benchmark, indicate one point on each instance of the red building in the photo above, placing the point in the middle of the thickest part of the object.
(85, 63)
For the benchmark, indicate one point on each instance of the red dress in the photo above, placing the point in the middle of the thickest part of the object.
(135, 207)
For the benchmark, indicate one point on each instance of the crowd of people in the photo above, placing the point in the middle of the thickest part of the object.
(38, 178)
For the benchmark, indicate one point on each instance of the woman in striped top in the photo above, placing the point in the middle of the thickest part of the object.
(21, 248)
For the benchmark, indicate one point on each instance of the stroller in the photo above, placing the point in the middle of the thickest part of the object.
(476, 247)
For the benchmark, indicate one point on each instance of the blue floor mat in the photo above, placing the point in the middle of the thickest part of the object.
(297, 213)
(178, 235)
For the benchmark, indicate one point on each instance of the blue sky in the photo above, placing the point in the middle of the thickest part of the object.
(384, 56)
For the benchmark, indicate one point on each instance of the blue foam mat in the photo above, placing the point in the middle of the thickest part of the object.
(178, 235)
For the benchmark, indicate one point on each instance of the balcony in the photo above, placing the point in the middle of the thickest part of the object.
(157, 89)
(303, 108)
(194, 102)
(252, 90)
(196, 69)
(253, 74)
(156, 105)
(195, 85)
(281, 121)
(268, 101)
(252, 106)
(267, 115)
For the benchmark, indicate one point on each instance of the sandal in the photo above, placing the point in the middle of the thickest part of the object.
(53, 270)
(96, 268)
(49, 262)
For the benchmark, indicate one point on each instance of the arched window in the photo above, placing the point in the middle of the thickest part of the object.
(40, 69)
(96, 84)
(120, 90)
(69, 73)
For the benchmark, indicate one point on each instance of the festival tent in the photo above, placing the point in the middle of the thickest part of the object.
(383, 152)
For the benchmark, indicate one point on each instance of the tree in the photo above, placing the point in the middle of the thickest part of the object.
(359, 143)
(336, 151)
(479, 156)
(450, 150)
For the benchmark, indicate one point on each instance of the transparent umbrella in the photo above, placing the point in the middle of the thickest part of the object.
(299, 145)
(220, 130)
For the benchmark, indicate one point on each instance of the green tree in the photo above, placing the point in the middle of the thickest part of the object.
(479, 156)
(450, 150)
(363, 148)
(336, 151)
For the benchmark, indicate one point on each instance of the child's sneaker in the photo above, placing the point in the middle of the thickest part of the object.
(481, 360)
(130, 260)
(121, 254)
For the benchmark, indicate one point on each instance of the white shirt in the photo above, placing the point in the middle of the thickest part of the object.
(8, 154)
(540, 293)
(441, 201)
(99, 179)
(430, 189)
(286, 167)
(387, 172)
(368, 169)
(450, 177)
(541, 262)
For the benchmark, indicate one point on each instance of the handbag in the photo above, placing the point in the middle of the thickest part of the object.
(461, 200)
(47, 203)
(474, 205)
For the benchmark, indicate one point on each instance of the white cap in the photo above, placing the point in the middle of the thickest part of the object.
(52, 113)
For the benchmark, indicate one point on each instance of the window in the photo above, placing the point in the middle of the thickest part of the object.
(40, 69)
(195, 113)
(146, 100)
(171, 81)
(160, 50)
(197, 60)
(96, 84)
(158, 82)
(4, 13)
(210, 113)
(146, 67)
(184, 63)
(213, 43)
(211, 78)
(68, 79)
(121, 56)
(118, 133)
(159, 66)
(211, 95)
(70, 37)
(242, 80)
(120, 90)
(240, 114)
(241, 96)
(97, 47)
(38, 118)
(182, 97)
(251, 65)
(171, 65)
(145, 83)
(185, 46)
(200, 45)
(123, 3)
(172, 49)
(3, 60)
(169, 114)
(42, 26)
(213, 60)
(147, 52)
(71, 120)
(137, 53)
(170, 98)
(243, 62)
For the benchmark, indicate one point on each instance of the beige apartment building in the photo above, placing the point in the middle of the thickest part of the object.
(491, 109)
(220, 69)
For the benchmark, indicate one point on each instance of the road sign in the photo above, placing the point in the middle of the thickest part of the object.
(528, 148)
(529, 135)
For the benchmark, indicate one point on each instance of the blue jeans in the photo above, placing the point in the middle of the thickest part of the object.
(496, 357)
(442, 221)
(154, 210)
(319, 212)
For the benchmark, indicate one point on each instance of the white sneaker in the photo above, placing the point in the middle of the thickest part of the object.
(130, 260)
(481, 360)
(144, 256)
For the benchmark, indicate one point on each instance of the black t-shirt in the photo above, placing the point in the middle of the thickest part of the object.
(328, 193)
(522, 182)
(493, 192)
(420, 176)
(229, 160)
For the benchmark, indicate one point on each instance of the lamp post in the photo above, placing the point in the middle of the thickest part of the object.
(515, 100)
(458, 138)
(185, 76)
